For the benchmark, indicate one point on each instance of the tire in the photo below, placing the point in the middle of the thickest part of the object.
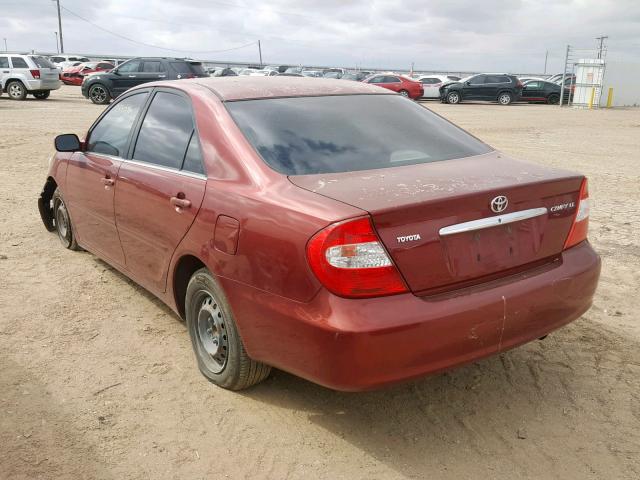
(62, 222)
(505, 98)
(453, 98)
(42, 95)
(99, 94)
(553, 99)
(215, 339)
(404, 93)
(16, 90)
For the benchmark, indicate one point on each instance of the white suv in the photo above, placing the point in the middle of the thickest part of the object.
(22, 75)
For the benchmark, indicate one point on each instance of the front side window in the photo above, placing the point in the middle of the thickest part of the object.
(310, 135)
(130, 66)
(165, 131)
(19, 62)
(477, 80)
(111, 134)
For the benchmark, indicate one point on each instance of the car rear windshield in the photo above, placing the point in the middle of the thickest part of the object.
(42, 62)
(330, 134)
(188, 67)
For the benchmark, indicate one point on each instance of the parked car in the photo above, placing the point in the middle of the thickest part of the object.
(372, 259)
(289, 74)
(75, 75)
(312, 73)
(333, 74)
(542, 91)
(431, 85)
(528, 79)
(66, 61)
(355, 76)
(277, 68)
(494, 87)
(403, 85)
(222, 72)
(264, 73)
(22, 75)
(103, 87)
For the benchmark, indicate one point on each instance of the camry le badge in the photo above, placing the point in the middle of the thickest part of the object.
(499, 204)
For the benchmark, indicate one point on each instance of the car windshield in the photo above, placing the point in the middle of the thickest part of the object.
(311, 135)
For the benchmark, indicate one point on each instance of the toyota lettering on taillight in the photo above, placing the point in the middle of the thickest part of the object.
(349, 260)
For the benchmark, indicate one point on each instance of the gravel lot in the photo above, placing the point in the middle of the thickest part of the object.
(97, 378)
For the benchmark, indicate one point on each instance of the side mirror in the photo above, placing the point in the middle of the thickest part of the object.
(68, 142)
(468, 82)
(115, 71)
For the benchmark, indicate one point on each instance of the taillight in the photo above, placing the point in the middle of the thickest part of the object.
(350, 261)
(35, 74)
(519, 84)
(578, 231)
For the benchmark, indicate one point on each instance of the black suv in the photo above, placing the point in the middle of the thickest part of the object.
(494, 87)
(101, 87)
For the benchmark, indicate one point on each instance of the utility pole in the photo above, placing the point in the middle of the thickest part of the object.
(57, 45)
(546, 56)
(564, 75)
(260, 52)
(602, 39)
(60, 26)
(5, 45)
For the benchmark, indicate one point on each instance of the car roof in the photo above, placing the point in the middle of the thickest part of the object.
(245, 88)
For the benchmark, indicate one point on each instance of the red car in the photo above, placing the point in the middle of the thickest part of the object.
(353, 251)
(397, 83)
(75, 75)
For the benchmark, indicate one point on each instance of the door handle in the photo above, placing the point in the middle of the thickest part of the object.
(108, 182)
(132, 76)
(179, 203)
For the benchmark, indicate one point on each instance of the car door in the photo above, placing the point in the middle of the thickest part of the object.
(160, 187)
(472, 88)
(4, 70)
(533, 91)
(392, 83)
(92, 176)
(125, 76)
(152, 71)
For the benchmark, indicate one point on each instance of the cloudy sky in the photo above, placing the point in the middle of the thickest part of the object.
(455, 35)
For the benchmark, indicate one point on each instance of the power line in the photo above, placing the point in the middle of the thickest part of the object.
(149, 44)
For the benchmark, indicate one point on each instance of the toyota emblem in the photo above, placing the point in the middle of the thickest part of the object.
(499, 204)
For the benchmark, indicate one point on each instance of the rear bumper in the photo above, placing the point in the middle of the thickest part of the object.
(352, 345)
(53, 84)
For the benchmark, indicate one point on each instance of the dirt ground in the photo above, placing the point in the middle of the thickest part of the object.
(97, 378)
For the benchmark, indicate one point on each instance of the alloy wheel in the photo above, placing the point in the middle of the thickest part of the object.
(16, 90)
(504, 99)
(98, 94)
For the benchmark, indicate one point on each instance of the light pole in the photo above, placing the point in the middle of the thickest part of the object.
(59, 26)
(57, 45)
(5, 45)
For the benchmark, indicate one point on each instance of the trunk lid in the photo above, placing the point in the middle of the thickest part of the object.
(421, 213)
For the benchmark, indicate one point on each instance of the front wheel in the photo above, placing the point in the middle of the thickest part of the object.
(505, 98)
(216, 342)
(42, 95)
(99, 94)
(62, 222)
(453, 98)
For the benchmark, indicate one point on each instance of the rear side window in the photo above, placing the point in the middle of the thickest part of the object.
(181, 67)
(19, 62)
(111, 134)
(152, 67)
(193, 158)
(165, 131)
(391, 80)
(42, 62)
(57, 59)
(310, 135)
(4, 62)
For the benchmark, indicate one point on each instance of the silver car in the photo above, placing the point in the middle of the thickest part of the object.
(22, 75)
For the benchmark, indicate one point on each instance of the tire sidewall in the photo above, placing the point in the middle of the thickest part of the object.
(66, 242)
(404, 93)
(203, 280)
(553, 99)
(107, 96)
(505, 94)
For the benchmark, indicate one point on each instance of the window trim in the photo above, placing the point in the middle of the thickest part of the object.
(138, 125)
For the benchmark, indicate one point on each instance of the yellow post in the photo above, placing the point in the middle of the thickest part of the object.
(593, 94)
(610, 97)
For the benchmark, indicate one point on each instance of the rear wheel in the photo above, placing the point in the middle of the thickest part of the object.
(404, 93)
(215, 338)
(99, 94)
(505, 98)
(553, 99)
(453, 98)
(62, 222)
(16, 90)
(42, 95)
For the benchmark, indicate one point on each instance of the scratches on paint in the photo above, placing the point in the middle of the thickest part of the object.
(504, 321)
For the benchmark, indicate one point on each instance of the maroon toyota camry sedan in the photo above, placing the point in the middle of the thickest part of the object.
(331, 229)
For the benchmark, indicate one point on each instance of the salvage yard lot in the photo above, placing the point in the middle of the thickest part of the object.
(98, 380)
